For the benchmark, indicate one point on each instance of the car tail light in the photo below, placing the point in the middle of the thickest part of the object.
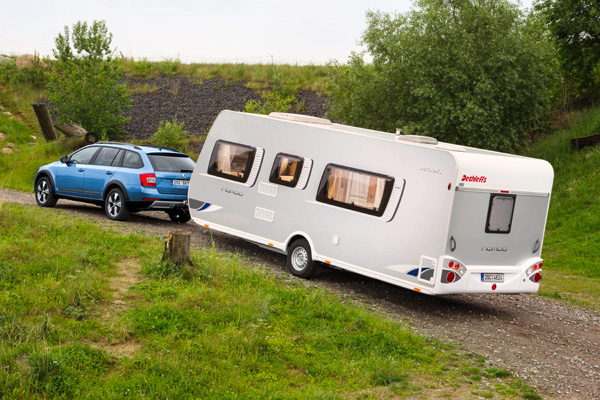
(148, 180)
(537, 277)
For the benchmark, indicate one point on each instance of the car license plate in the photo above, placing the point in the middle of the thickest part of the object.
(492, 277)
(180, 182)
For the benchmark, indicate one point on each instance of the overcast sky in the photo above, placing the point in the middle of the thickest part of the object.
(300, 31)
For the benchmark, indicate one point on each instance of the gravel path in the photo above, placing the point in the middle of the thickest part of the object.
(550, 345)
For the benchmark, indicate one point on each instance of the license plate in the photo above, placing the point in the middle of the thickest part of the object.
(180, 182)
(492, 277)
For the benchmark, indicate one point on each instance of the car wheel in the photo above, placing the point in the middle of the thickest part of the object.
(44, 193)
(179, 215)
(114, 205)
(299, 259)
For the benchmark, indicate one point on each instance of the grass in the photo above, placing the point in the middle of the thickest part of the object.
(17, 170)
(571, 250)
(257, 76)
(89, 312)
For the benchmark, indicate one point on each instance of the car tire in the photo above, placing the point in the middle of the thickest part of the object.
(44, 192)
(115, 206)
(179, 215)
(299, 259)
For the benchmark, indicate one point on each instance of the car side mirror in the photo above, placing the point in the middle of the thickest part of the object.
(64, 159)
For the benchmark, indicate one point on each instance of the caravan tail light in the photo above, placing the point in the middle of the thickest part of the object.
(148, 180)
(450, 277)
(534, 273)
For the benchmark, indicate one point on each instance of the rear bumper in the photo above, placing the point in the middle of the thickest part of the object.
(167, 205)
(516, 279)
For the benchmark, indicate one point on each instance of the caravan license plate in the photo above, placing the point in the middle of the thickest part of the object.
(180, 182)
(492, 277)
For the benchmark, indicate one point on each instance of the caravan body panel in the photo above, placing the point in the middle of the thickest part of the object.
(396, 214)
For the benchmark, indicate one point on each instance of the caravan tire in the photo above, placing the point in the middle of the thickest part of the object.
(299, 259)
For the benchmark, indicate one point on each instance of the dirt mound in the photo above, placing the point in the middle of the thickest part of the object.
(196, 103)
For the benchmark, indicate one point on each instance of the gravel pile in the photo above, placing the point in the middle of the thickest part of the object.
(196, 103)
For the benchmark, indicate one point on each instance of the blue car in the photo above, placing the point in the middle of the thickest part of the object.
(121, 177)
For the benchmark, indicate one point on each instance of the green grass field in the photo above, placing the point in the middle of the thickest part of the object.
(89, 312)
(571, 250)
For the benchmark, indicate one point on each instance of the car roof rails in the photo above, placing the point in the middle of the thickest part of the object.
(121, 143)
(160, 147)
(142, 145)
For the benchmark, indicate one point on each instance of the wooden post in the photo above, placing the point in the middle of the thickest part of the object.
(579, 143)
(81, 140)
(177, 248)
(43, 116)
(70, 130)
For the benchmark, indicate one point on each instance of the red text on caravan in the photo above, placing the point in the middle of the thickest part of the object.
(474, 178)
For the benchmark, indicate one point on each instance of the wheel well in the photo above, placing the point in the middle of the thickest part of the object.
(44, 174)
(293, 239)
(111, 186)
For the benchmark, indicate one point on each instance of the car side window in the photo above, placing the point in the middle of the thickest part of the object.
(83, 156)
(286, 170)
(106, 156)
(132, 160)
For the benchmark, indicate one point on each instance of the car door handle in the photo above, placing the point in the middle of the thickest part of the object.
(109, 172)
(81, 170)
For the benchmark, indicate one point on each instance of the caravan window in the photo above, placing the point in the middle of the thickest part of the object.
(286, 170)
(354, 189)
(232, 161)
(500, 213)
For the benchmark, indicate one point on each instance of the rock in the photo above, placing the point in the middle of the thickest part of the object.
(30, 61)
(33, 137)
(7, 113)
(6, 150)
(589, 155)
(12, 145)
(4, 60)
(2, 136)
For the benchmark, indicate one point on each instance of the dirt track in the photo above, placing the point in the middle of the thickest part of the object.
(551, 346)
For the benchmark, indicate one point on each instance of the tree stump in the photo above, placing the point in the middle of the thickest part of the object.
(177, 248)
(43, 116)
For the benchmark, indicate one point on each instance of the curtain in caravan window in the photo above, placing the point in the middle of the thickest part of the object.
(225, 158)
(358, 190)
(232, 161)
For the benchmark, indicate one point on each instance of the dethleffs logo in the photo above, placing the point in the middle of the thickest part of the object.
(474, 178)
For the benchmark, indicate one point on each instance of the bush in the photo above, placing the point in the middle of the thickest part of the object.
(171, 134)
(85, 85)
(36, 76)
(141, 68)
(272, 102)
(473, 72)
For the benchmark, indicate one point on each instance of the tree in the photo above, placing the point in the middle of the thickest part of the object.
(574, 26)
(473, 72)
(85, 84)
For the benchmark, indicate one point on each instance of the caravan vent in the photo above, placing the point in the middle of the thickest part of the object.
(300, 118)
(418, 139)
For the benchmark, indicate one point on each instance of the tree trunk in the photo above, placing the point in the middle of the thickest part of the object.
(177, 248)
(70, 130)
(79, 141)
(43, 116)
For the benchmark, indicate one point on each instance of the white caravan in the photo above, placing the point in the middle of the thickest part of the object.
(432, 217)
